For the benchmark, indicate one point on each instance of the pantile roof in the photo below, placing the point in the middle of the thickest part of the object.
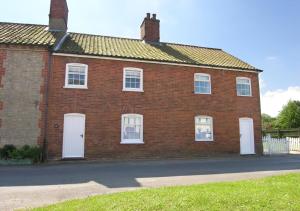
(96, 45)
(27, 34)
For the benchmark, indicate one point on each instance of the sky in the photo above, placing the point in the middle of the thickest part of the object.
(265, 34)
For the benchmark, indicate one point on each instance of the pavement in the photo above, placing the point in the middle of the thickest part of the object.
(33, 186)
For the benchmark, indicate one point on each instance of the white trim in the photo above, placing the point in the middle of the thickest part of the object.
(67, 75)
(141, 89)
(212, 128)
(202, 74)
(74, 114)
(153, 62)
(237, 78)
(246, 118)
(132, 141)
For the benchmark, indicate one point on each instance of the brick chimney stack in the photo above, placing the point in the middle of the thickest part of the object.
(58, 17)
(150, 29)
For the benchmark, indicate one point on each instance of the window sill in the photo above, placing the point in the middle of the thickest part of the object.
(205, 140)
(244, 95)
(202, 93)
(131, 142)
(133, 90)
(75, 87)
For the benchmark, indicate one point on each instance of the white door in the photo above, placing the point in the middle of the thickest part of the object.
(73, 140)
(246, 136)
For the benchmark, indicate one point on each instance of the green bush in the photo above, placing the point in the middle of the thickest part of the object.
(16, 154)
(25, 152)
(33, 153)
(6, 150)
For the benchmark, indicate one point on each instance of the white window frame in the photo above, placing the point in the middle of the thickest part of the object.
(132, 141)
(202, 74)
(250, 94)
(141, 89)
(70, 86)
(212, 128)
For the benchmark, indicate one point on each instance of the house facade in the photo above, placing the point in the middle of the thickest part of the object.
(90, 96)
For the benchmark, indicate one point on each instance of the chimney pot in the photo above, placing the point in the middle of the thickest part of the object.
(148, 16)
(154, 16)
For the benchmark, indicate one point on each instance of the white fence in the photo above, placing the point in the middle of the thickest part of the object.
(281, 145)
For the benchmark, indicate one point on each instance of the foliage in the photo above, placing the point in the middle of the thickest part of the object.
(268, 122)
(289, 117)
(272, 193)
(26, 152)
(6, 150)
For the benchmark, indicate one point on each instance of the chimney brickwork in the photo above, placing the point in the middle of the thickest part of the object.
(58, 17)
(150, 29)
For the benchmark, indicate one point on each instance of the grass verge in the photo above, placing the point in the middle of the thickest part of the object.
(271, 193)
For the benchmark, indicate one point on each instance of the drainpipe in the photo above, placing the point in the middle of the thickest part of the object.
(50, 60)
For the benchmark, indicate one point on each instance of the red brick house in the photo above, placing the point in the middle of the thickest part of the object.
(90, 96)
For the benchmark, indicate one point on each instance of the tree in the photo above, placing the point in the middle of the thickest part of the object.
(289, 117)
(268, 122)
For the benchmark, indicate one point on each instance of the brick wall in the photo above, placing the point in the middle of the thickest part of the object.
(21, 95)
(43, 100)
(168, 105)
(2, 72)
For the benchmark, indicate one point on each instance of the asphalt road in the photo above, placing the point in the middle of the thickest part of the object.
(31, 186)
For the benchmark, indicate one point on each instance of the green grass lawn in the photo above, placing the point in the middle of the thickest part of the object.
(272, 193)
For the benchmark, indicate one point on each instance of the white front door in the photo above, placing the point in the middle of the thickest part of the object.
(246, 136)
(73, 140)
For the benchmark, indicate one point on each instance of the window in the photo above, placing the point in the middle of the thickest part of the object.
(203, 128)
(132, 129)
(202, 83)
(76, 76)
(133, 79)
(243, 86)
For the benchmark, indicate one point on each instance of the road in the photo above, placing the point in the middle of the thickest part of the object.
(31, 186)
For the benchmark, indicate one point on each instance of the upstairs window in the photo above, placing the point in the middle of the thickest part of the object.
(76, 76)
(132, 129)
(243, 86)
(202, 84)
(133, 79)
(203, 128)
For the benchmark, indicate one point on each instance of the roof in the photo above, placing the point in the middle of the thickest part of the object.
(28, 34)
(105, 46)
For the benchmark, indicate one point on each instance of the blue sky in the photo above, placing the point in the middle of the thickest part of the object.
(265, 34)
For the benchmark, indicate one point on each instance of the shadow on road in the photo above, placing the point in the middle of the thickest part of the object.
(124, 174)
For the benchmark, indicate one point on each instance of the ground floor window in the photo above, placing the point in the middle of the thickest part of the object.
(203, 128)
(132, 129)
